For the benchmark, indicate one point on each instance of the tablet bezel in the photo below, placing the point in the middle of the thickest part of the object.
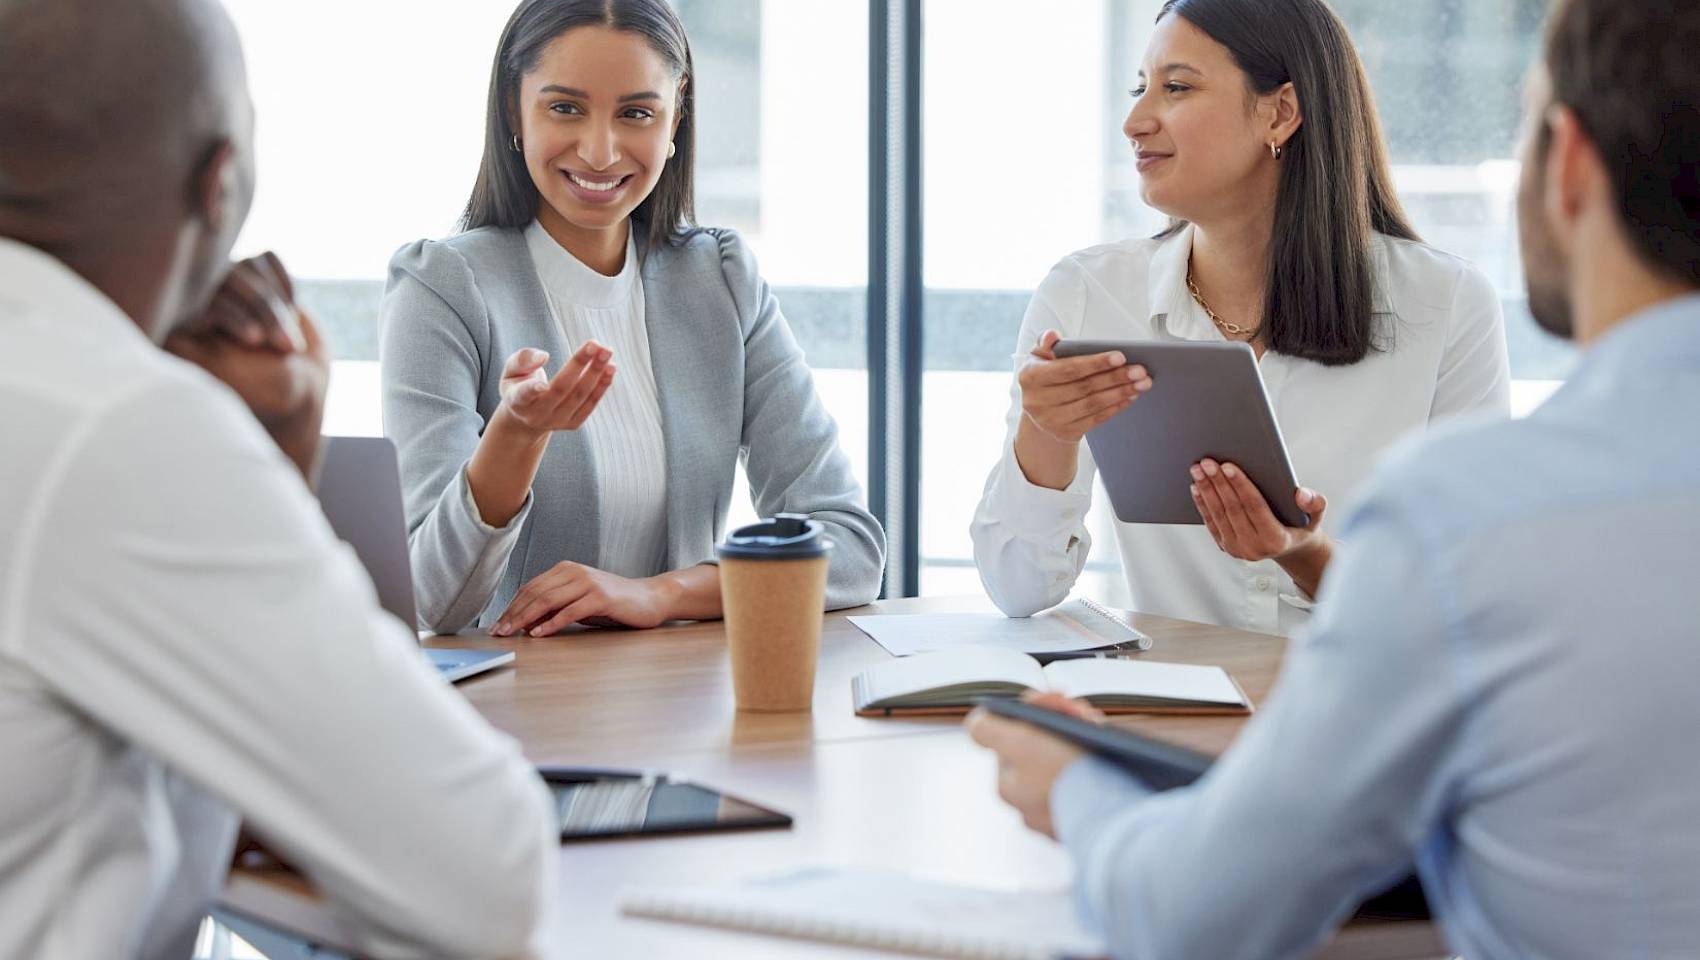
(766, 817)
(1207, 400)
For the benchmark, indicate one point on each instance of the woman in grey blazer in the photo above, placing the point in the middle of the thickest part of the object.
(542, 493)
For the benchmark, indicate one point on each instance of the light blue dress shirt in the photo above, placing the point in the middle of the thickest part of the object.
(1501, 685)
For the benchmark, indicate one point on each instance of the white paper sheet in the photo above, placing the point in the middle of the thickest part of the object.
(881, 909)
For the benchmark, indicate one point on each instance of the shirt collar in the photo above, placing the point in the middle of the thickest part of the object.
(34, 282)
(1665, 334)
(1174, 312)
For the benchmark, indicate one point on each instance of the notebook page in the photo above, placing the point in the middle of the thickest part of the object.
(1182, 682)
(881, 909)
(946, 668)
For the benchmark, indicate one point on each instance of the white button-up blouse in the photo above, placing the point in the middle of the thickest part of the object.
(1444, 355)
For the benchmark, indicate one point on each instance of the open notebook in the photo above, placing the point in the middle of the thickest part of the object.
(888, 911)
(949, 681)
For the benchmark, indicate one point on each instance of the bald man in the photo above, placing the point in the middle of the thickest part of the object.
(183, 642)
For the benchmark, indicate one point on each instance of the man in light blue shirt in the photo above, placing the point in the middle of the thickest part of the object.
(1500, 682)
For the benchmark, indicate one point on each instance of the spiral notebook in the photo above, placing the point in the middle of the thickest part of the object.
(883, 910)
(1074, 627)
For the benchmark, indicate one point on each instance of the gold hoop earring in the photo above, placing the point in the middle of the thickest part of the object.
(1275, 150)
(515, 144)
(671, 149)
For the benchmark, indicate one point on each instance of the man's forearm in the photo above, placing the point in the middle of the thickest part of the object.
(300, 441)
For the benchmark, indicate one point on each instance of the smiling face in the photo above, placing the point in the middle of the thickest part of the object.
(1201, 138)
(595, 118)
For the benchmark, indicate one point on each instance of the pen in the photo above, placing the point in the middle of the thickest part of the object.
(1112, 653)
(563, 774)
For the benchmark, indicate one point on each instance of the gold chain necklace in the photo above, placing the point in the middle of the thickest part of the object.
(1231, 329)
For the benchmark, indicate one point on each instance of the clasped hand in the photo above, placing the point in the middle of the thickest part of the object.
(254, 337)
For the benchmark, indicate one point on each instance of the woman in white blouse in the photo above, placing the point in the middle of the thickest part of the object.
(572, 380)
(1262, 143)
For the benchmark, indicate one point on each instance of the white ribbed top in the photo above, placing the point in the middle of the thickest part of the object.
(624, 432)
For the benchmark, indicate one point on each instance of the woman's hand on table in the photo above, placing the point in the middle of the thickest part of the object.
(1244, 527)
(570, 593)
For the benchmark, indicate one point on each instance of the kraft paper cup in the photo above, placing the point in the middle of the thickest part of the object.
(773, 589)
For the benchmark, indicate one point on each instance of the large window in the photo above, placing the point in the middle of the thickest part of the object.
(1025, 162)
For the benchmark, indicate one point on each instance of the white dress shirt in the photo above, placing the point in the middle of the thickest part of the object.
(1445, 354)
(183, 642)
(1497, 687)
(624, 431)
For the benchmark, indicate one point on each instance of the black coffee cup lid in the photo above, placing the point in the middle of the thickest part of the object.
(784, 536)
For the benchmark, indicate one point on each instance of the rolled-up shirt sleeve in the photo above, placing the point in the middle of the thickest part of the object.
(1031, 542)
(1324, 800)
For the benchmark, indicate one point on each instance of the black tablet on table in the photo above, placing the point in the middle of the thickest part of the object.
(598, 804)
(1206, 402)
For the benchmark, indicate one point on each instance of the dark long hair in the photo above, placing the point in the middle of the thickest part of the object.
(1336, 187)
(504, 195)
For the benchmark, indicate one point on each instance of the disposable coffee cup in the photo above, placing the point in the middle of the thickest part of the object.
(773, 588)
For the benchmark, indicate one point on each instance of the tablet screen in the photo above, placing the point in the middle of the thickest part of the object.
(624, 806)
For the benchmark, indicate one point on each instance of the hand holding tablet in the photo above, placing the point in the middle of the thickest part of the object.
(1067, 397)
(1061, 400)
(1241, 523)
(1212, 410)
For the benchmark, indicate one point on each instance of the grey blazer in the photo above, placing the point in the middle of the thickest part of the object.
(731, 381)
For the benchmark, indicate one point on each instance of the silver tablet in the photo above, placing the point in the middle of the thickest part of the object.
(1206, 400)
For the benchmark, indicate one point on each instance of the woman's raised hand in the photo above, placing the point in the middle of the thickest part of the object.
(544, 405)
(534, 406)
(1066, 398)
(1061, 400)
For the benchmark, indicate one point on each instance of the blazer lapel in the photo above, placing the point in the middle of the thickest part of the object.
(695, 355)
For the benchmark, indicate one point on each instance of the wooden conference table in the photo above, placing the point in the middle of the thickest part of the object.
(913, 795)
